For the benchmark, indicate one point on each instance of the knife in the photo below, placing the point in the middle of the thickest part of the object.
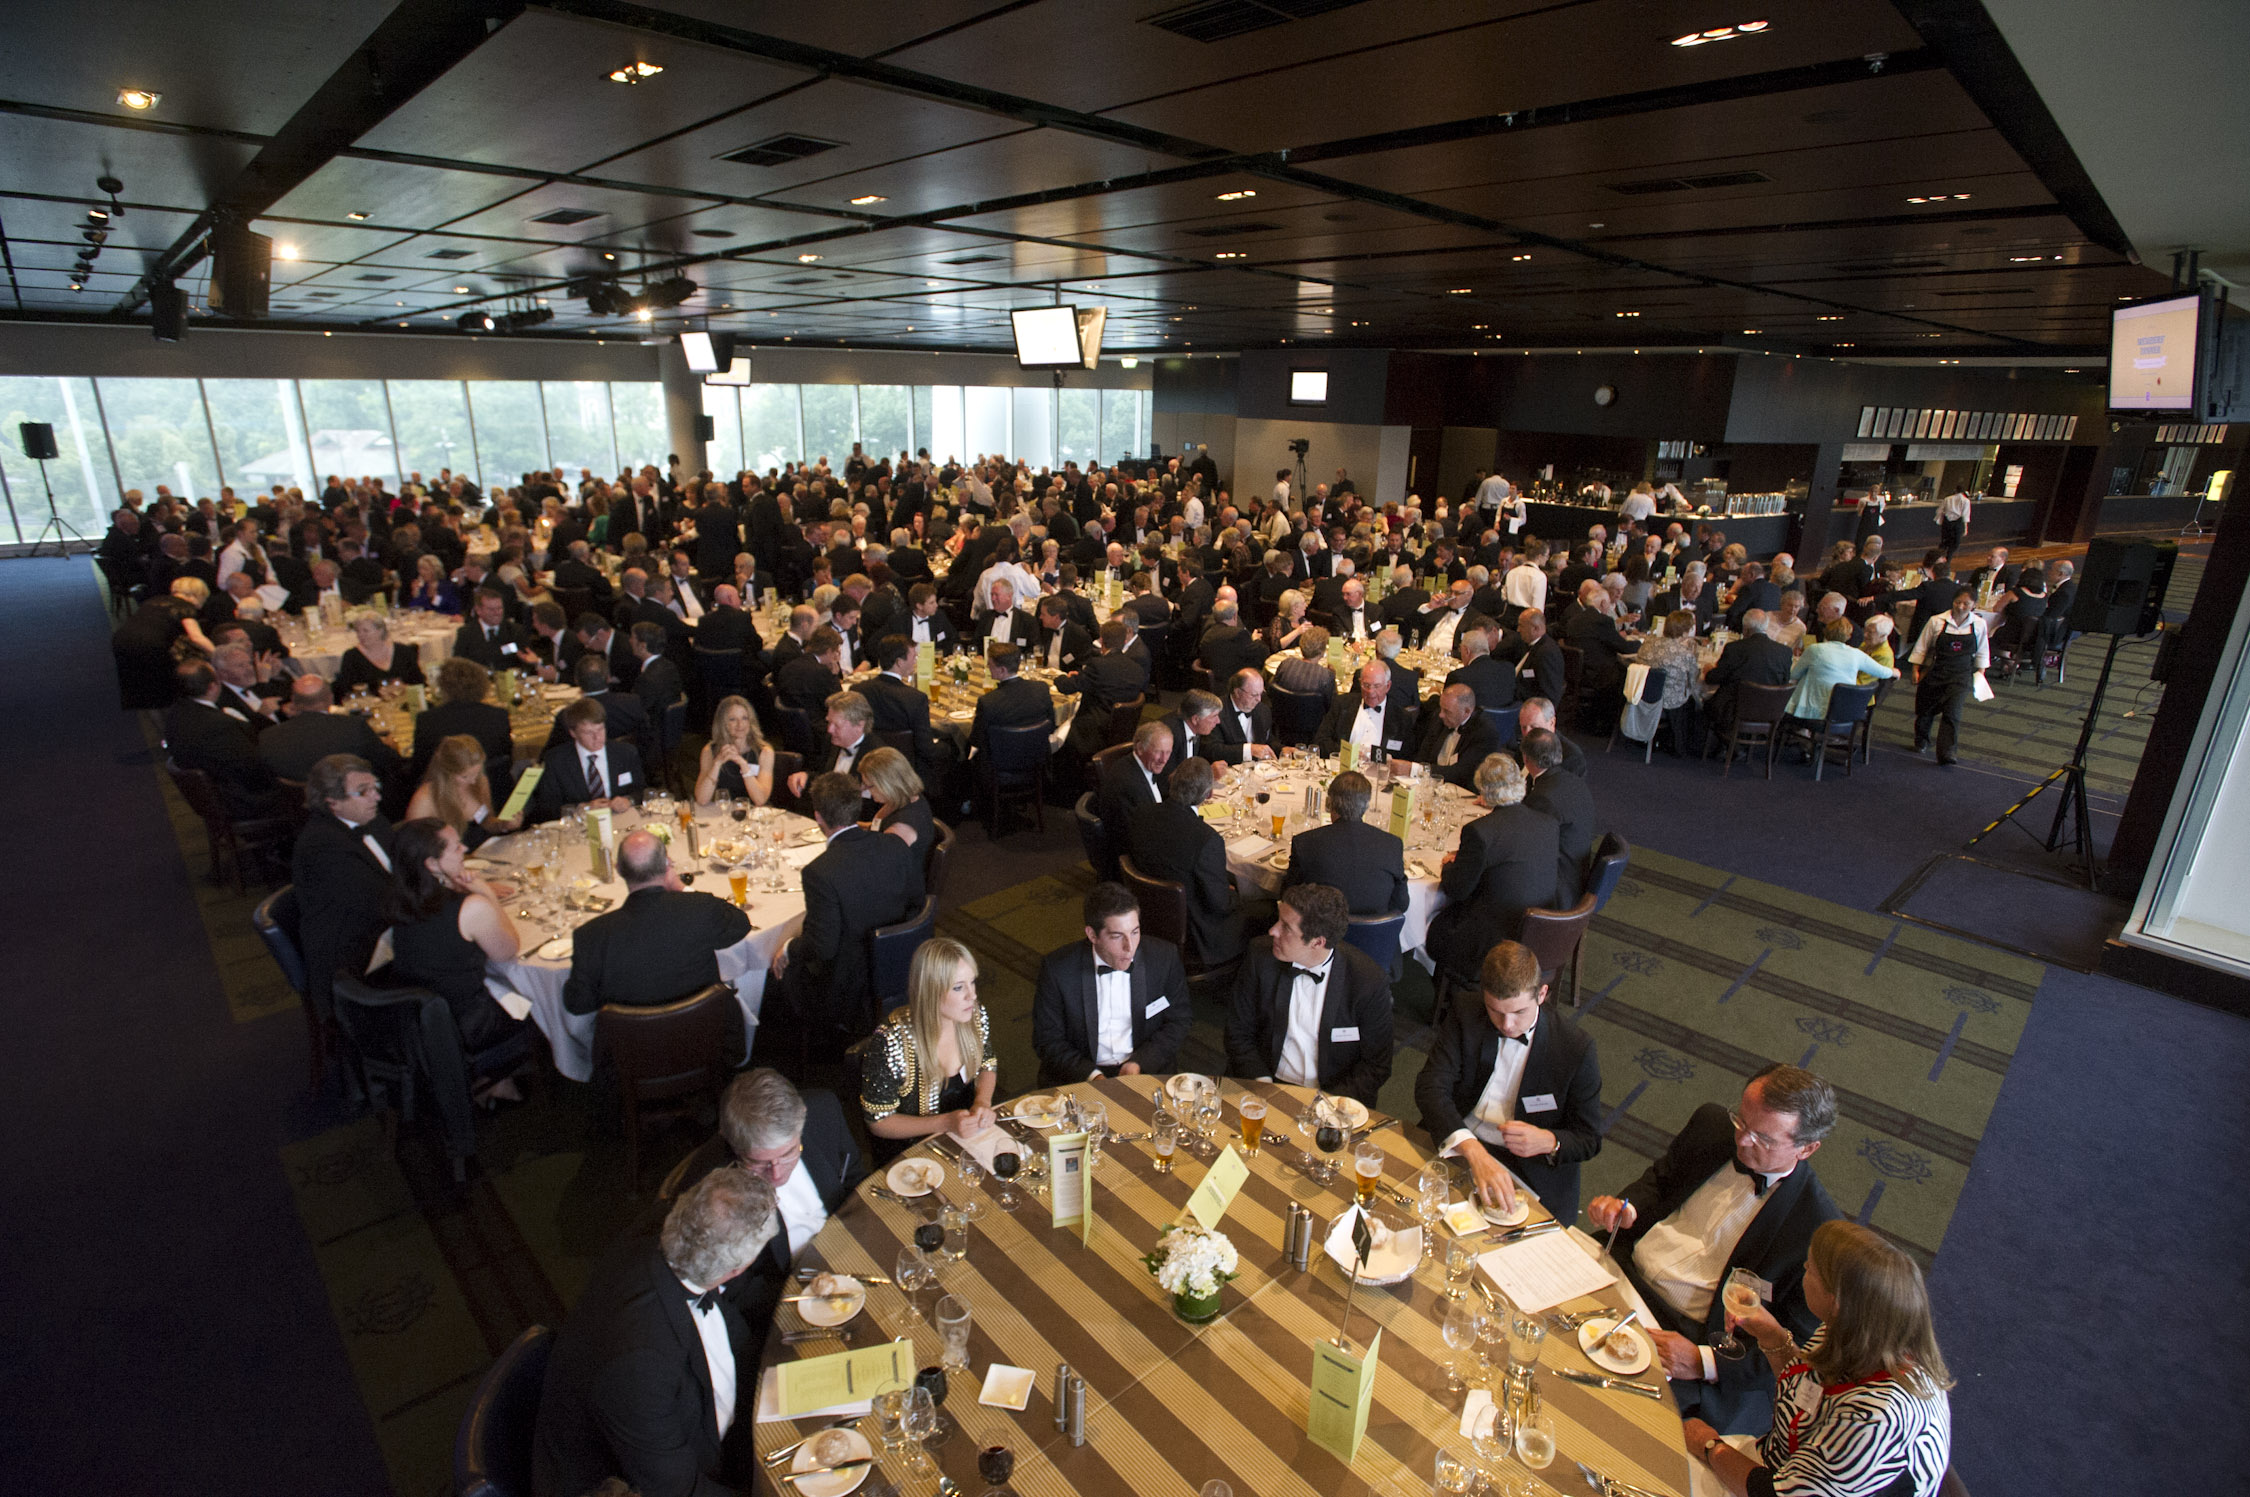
(850, 1465)
(1595, 1380)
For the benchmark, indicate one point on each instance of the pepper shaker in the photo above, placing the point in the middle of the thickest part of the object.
(1062, 1395)
(1075, 1424)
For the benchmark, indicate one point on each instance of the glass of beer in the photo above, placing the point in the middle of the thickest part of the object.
(1280, 820)
(1166, 1140)
(1253, 1111)
(738, 884)
(1367, 1168)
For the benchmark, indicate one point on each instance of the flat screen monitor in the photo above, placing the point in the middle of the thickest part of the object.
(737, 372)
(1308, 387)
(700, 355)
(2153, 354)
(1047, 338)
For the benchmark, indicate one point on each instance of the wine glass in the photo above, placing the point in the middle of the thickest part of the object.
(1492, 1337)
(1207, 1117)
(922, 1424)
(1460, 1262)
(1328, 1138)
(1460, 1333)
(1454, 1475)
(972, 1181)
(1740, 1296)
(1535, 1439)
(1094, 1117)
(1006, 1164)
(891, 1421)
(913, 1272)
(1492, 1442)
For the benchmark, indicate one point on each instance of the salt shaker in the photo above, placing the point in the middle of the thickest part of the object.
(1306, 1238)
(1062, 1395)
(1074, 1424)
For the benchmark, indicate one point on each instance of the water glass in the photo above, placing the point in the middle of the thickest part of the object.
(1535, 1439)
(1460, 1333)
(1452, 1474)
(1460, 1262)
(955, 1222)
(953, 1332)
(1526, 1333)
(1215, 1488)
(913, 1271)
(891, 1426)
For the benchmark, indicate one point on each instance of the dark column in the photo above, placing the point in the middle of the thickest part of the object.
(1820, 502)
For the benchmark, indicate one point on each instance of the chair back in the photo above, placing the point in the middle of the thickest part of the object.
(1607, 869)
(1094, 837)
(1164, 908)
(1761, 704)
(1296, 715)
(1124, 718)
(786, 764)
(670, 1050)
(1573, 671)
(797, 734)
(935, 862)
(1553, 935)
(1652, 684)
(275, 921)
(575, 601)
(1848, 706)
(890, 952)
(1506, 723)
(721, 671)
(1377, 939)
(202, 796)
(901, 739)
(1013, 755)
(671, 728)
(492, 1449)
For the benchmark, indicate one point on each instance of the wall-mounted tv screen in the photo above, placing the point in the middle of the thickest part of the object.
(2154, 352)
(700, 355)
(1047, 338)
(1308, 387)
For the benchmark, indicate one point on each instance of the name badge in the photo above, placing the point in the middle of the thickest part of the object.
(1156, 1008)
(1392, 747)
(1544, 1102)
(1344, 1036)
(508, 647)
(625, 778)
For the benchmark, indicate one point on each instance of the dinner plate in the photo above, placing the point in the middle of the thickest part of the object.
(961, 715)
(833, 1312)
(1042, 1111)
(1515, 1218)
(1418, 870)
(915, 1177)
(555, 951)
(1186, 1084)
(834, 1483)
(1589, 1341)
(1277, 860)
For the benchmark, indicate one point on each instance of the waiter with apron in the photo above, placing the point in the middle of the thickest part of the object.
(1950, 655)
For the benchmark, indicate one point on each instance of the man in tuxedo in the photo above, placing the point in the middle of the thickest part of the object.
(661, 945)
(1365, 862)
(928, 623)
(635, 512)
(1194, 729)
(1555, 792)
(718, 533)
(577, 573)
(1753, 593)
(201, 732)
(1756, 659)
(592, 635)
(461, 708)
(1371, 715)
(653, 1379)
(1227, 648)
(1404, 603)
(1059, 643)
(242, 696)
(804, 622)
(1310, 1009)
(1456, 737)
(1114, 1004)
(1537, 659)
(340, 871)
(1131, 780)
(862, 880)
(1355, 619)
(587, 767)
(899, 708)
(848, 719)
(1491, 678)
(812, 675)
(1512, 1086)
(1693, 595)
(1504, 865)
(1735, 1189)
(656, 681)
(489, 636)
(309, 733)
(1168, 839)
(1245, 727)
(1012, 702)
(726, 629)
(1007, 624)
(1104, 684)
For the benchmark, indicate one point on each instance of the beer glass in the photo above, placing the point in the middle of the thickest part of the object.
(1253, 1113)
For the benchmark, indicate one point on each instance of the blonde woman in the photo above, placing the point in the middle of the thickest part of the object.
(377, 658)
(456, 791)
(1860, 1410)
(930, 1068)
(1289, 622)
(738, 759)
(900, 806)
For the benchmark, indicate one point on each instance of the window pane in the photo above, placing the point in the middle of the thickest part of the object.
(925, 415)
(769, 426)
(578, 429)
(351, 430)
(883, 419)
(156, 427)
(1078, 440)
(1035, 428)
(946, 437)
(85, 488)
(1145, 428)
(511, 434)
(643, 440)
(724, 451)
(985, 415)
(1120, 423)
(432, 416)
(259, 443)
(830, 425)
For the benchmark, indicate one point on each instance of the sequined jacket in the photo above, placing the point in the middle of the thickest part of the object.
(893, 1077)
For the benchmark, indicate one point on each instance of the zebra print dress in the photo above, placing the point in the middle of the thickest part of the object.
(1874, 1437)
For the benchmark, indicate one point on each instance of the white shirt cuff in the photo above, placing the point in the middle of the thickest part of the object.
(1453, 1141)
(1710, 1364)
(1265, 1078)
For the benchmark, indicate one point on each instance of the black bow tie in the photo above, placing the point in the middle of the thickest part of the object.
(1758, 1184)
(1102, 971)
(1523, 1039)
(707, 1300)
(1297, 972)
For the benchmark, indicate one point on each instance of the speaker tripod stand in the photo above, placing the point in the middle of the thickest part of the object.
(2073, 807)
(55, 522)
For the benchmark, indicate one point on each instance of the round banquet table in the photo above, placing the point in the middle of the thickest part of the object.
(320, 650)
(1173, 1405)
(540, 971)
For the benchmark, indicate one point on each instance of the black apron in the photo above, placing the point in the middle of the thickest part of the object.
(1953, 658)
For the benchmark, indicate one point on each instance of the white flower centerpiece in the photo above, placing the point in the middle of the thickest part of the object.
(1192, 1263)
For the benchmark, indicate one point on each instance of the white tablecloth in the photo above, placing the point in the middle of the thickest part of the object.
(775, 918)
(431, 634)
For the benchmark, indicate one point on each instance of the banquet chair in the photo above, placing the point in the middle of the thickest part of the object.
(1378, 939)
(232, 841)
(1574, 671)
(403, 1041)
(671, 730)
(1506, 723)
(1849, 708)
(1013, 768)
(1164, 915)
(668, 1058)
(275, 921)
(1558, 937)
(936, 859)
(1094, 838)
(1296, 715)
(492, 1449)
(797, 733)
(1605, 870)
(890, 953)
(574, 602)
(1652, 688)
(1124, 718)
(1758, 711)
(720, 674)
(786, 764)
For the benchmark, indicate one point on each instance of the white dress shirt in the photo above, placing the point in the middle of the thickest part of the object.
(1525, 586)
(718, 1355)
(845, 756)
(1439, 641)
(1682, 1256)
(1300, 1047)
(1493, 492)
(1003, 628)
(1113, 999)
(1054, 650)
(1249, 734)
(802, 1214)
(1355, 622)
(1367, 727)
(922, 633)
(373, 846)
(1496, 1107)
(1155, 785)
(685, 603)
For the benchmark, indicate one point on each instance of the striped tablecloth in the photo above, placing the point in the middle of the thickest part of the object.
(1174, 1405)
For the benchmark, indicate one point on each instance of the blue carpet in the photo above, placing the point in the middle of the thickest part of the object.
(166, 1327)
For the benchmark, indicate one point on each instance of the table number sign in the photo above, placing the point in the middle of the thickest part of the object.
(1208, 1205)
(925, 665)
(521, 795)
(1347, 754)
(1402, 809)
(1070, 1185)
(598, 842)
(1343, 1389)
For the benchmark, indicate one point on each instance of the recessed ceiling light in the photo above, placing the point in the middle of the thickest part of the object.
(1238, 194)
(139, 98)
(1829, 317)
(634, 72)
(1847, 345)
(1597, 226)
(359, 217)
(284, 250)
(1628, 314)
(97, 215)
(807, 259)
(1721, 34)
(1230, 255)
(1478, 327)
(1458, 291)
(645, 315)
(1751, 332)
(606, 255)
(460, 291)
(868, 197)
(1519, 257)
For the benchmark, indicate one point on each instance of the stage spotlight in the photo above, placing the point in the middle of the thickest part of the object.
(474, 322)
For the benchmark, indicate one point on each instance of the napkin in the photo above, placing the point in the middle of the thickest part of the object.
(1477, 1413)
(1250, 848)
(1394, 1255)
(1636, 676)
(511, 1001)
(988, 1143)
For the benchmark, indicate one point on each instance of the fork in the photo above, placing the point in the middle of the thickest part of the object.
(775, 1458)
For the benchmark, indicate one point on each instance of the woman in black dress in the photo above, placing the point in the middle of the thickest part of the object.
(144, 644)
(447, 924)
(737, 760)
(900, 806)
(376, 659)
(930, 1069)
